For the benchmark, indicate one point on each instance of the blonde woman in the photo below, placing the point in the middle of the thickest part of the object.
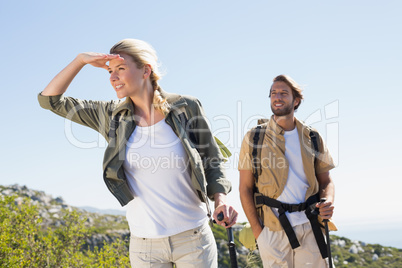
(162, 161)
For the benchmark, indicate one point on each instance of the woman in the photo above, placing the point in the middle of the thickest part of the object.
(161, 161)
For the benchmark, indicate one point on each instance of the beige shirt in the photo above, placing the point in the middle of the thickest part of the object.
(275, 166)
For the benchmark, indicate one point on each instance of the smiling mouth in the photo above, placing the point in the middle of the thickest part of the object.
(278, 104)
(118, 87)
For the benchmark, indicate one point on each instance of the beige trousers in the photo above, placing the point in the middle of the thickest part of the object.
(275, 249)
(192, 248)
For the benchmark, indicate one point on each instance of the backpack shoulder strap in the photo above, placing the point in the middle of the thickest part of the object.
(314, 136)
(114, 124)
(182, 115)
(256, 143)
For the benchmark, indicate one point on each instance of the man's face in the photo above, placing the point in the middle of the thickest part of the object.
(282, 101)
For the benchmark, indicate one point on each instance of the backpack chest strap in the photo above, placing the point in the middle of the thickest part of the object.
(265, 200)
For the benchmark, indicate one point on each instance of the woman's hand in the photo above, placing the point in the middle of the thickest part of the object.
(229, 213)
(62, 80)
(97, 59)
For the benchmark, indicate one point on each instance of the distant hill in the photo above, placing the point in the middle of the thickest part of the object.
(111, 225)
(104, 211)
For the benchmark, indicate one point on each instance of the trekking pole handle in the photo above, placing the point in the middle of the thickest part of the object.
(220, 216)
(322, 200)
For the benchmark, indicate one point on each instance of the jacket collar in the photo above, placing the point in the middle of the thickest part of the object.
(275, 127)
(175, 100)
(127, 104)
(301, 127)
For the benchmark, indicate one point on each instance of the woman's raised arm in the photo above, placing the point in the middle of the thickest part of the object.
(62, 80)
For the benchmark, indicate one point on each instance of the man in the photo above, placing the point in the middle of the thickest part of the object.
(284, 167)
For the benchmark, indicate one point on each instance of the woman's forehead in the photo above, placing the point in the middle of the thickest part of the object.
(117, 62)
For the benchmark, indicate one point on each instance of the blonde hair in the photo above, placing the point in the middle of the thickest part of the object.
(296, 88)
(142, 54)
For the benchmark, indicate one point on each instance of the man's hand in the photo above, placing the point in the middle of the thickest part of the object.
(326, 209)
(327, 191)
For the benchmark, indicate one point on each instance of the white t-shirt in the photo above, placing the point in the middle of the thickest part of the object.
(296, 184)
(156, 167)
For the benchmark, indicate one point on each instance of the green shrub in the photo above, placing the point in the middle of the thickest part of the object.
(25, 243)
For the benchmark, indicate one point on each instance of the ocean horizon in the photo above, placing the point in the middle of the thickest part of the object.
(387, 234)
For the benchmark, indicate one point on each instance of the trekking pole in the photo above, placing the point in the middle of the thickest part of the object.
(322, 200)
(231, 244)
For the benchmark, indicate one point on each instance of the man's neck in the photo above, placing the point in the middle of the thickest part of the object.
(286, 122)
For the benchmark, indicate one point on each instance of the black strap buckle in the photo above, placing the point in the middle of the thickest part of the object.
(258, 200)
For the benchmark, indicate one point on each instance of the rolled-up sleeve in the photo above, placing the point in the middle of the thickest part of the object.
(93, 114)
(245, 156)
(46, 101)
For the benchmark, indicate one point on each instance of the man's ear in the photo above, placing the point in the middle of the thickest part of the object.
(296, 102)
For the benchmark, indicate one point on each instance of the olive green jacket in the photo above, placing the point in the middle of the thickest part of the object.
(206, 161)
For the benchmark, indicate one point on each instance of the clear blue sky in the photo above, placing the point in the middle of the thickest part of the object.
(347, 54)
